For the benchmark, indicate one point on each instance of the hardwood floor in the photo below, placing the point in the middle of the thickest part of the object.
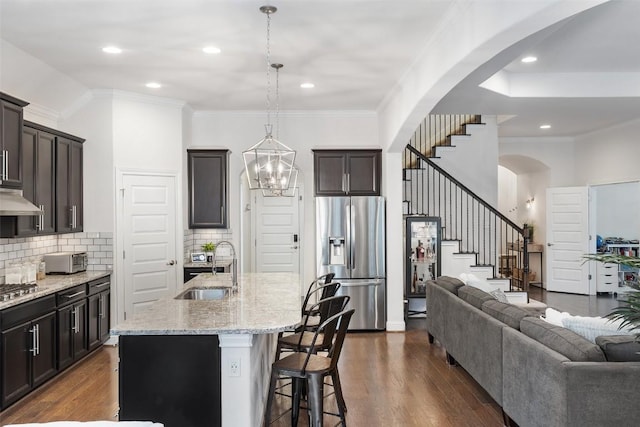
(388, 378)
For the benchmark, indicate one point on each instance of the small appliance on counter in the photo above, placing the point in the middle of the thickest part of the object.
(65, 262)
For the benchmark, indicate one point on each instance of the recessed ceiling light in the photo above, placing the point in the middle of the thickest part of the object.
(545, 126)
(528, 59)
(111, 49)
(211, 49)
(153, 85)
(307, 85)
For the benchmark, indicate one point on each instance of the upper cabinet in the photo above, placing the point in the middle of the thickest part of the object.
(207, 188)
(347, 172)
(38, 176)
(11, 141)
(69, 212)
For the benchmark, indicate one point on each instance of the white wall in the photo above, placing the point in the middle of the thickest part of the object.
(474, 160)
(617, 207)
(508, 193)
(608, 156)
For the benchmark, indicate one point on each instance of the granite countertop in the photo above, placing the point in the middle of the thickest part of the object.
(53, 283)
(264, 303)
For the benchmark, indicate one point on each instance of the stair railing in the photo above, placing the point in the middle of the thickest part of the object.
(466, 217)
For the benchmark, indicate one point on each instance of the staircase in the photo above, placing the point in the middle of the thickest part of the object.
(476, 238)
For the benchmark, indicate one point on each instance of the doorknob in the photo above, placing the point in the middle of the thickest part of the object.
(549, 244)
(294, 247)
(172, 262)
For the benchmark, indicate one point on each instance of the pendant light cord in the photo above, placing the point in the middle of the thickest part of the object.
(269, 70)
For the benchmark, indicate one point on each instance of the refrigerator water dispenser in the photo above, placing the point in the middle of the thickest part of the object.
(336, 251)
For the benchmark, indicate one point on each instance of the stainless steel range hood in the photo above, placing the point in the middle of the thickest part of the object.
(12, 204)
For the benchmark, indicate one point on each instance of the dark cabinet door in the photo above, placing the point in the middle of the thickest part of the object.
(79, 330)
(347, 172)
(16, 362)
(104, 316)
(38, 164)
(363, 178)
(207, 188)
(44, 359)
(69, 210)
(330, 173)
(93, 325)
(66, 317)
(11, 142)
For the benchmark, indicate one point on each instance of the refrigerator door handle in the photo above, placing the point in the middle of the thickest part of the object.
(352, 237)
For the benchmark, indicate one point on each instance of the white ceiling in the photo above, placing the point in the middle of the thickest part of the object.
(353, 50)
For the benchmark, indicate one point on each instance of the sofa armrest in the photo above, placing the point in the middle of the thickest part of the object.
(542, 388)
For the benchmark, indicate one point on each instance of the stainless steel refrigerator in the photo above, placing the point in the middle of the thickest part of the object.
(350, 242)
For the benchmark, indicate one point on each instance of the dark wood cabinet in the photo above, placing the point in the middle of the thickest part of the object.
(69, 212)
(72, 325)
(11, 117)
(191, 272)
(28, 348)
(38, 186)
(347, 172)
(99, 305)
(208, 205)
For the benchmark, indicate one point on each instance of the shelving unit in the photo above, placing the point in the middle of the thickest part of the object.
(422, 249)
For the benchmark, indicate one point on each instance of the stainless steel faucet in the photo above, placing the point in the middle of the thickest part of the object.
(234, 263)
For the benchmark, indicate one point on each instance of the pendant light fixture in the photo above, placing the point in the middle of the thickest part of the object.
(293, 181)
(268, 163)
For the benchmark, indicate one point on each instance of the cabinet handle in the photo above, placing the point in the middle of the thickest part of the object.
(74, 216)
(76, 320)
(349, 182)
(37, 339)
(74, 295)
(33, 340)
(5, 164)
(40, 222)
(344, 179)
(100, 311)
(222, 213)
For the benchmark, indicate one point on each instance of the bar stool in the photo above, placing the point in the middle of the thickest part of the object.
(306, 367)
(313, 289)
(302, 340)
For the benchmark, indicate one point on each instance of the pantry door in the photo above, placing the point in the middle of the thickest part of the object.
(567, 240)
(276, 233)
(148, 235)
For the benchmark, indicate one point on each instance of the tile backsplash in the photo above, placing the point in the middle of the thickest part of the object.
(194, 239)
(98, 245)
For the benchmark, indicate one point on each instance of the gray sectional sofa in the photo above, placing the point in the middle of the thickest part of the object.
(540, 374)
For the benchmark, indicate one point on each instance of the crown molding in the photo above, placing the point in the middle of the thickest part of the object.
(289, 113)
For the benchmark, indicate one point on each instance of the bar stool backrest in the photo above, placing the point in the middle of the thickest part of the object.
(319, 291)
(339, 323)
(327, 308)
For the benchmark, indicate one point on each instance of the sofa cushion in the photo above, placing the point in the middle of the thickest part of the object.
(620, 348)
(474, 296)
(449, 283)
(566, 342)
(506, 313)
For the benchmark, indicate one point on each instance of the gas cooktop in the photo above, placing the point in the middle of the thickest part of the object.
(9, 292)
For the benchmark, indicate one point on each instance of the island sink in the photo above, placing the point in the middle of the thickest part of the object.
(205, 294)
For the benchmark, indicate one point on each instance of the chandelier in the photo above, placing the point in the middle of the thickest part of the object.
(269, 163)
(293, 180)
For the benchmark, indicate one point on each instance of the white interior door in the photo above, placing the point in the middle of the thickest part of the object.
(149, 240)
(276, 233)
(567, 239)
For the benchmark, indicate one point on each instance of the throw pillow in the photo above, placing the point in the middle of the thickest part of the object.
(499, 295)
(554, 316)
(591, 327)
(620, 348)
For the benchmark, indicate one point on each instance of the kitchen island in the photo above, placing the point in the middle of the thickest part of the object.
(211, 356)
